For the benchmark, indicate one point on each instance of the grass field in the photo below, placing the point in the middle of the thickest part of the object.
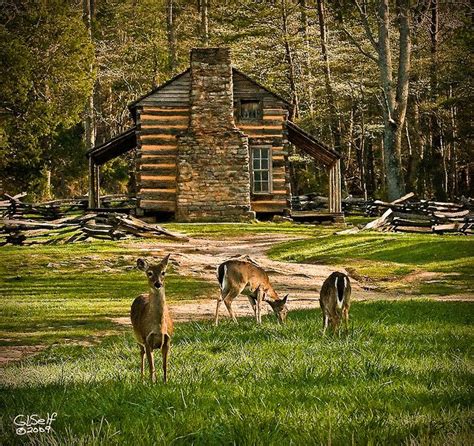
(387, 259)
(54, 292)
(403, 375)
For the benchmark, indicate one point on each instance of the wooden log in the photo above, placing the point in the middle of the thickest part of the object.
(379, 222)
(402, 222)
(403, 199)
(450, 227)
(414, 229)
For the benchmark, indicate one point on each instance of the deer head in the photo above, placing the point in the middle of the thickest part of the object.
(279, 308)
(155, 273)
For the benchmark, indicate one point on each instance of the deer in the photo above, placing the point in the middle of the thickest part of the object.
(335, 301)
(151, 320)
(239, 276)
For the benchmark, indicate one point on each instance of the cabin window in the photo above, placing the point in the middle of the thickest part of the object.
(261, 170)
(250, 110)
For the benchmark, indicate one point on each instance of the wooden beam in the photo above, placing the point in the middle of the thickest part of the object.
(335, 198)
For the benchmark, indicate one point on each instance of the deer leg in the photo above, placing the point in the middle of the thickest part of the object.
(228, 303)
(260, 295)
(149, 355)
(142, 360)
(345, 314)
(219, 301)
(325, 323)
(165, 347)
(231, 295)
(253, 305)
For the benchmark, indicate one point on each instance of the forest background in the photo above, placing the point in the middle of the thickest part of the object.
(388, 84)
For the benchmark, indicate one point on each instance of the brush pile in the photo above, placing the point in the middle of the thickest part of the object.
(28, 224)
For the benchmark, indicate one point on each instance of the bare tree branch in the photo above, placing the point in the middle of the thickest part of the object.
(359, 46)
(366, 25)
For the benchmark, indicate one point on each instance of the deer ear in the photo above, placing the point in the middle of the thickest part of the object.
(142, 265)
(284, 300)
(164, 262)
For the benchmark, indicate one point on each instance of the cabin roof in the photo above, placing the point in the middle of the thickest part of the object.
(310, 145)
(132, 106)
(114, 147)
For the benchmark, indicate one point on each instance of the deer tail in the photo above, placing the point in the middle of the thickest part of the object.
(340, 285)
(221, 275)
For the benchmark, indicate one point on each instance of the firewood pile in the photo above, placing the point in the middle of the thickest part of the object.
(29, 224)
(309, 202)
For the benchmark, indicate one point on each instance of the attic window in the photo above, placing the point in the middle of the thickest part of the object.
(250, 109)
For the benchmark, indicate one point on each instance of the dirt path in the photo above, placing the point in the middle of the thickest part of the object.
(200, 257)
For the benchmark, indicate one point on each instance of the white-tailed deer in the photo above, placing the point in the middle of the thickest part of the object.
(236, 277)
(152, 323)
(335, 300)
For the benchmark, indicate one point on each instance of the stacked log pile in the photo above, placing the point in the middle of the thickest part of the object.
(28, 224)
(14, 207)
(423, 216)
(313, 202)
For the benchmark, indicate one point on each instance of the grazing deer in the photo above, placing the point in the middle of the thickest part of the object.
(152, 324)
(335, 300)
(236, 277)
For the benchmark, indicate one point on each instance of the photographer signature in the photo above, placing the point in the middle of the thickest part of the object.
(33, 424)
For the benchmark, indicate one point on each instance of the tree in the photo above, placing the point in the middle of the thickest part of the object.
(45, 81)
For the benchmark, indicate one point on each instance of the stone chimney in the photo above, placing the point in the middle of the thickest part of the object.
(212, 108)
(213, 181)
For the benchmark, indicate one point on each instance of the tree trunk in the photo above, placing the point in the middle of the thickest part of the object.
(308, 77)
(335, 124)
(454, 190)
(395, 100)
(89, 121)
(437, 160)
(171, 35)
(294, 112)
(204, 9)
(370, 183)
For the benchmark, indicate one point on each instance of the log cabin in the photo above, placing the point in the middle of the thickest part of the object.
(212, 145)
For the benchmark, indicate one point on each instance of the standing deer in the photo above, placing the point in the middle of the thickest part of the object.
(152, 323)
(236, 277)
(335, 300)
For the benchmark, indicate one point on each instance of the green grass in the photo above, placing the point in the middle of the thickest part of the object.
(403, 375)
(388, 258)
(215, 230)
(49, 293)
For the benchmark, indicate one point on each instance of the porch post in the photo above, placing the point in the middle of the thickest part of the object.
(335, 198)
(93, 184)
(97, 185)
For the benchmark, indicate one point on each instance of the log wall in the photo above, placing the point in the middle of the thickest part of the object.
(156, 170)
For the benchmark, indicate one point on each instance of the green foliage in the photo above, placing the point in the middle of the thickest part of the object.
(403, 375)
